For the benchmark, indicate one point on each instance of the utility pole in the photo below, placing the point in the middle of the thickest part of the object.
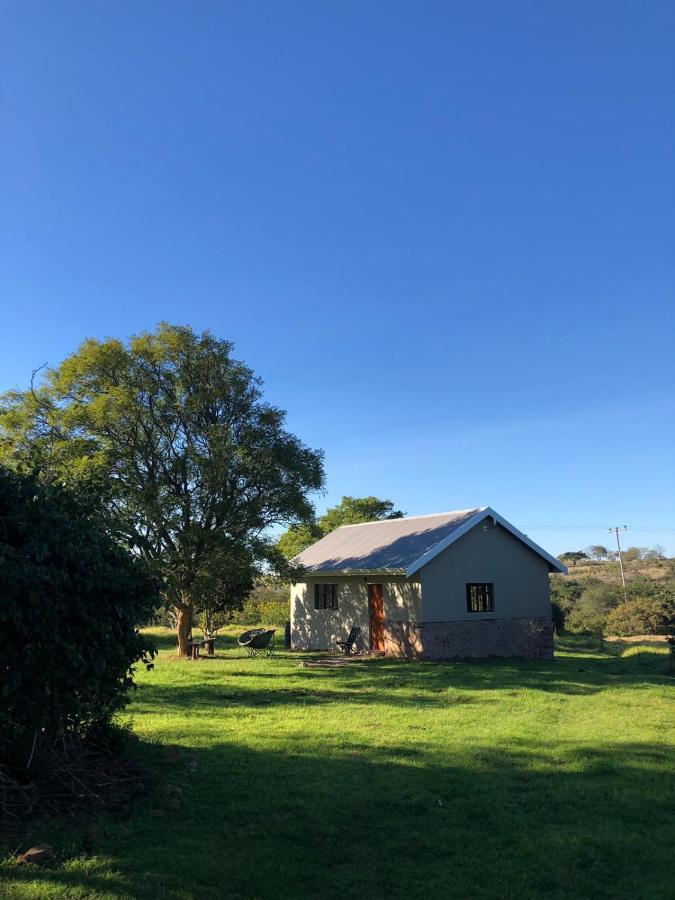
(618, 544)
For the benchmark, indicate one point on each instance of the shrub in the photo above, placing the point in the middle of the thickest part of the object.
(588, 618)
(590, 612)
(262, 612)
(267, 604)
(71, 599)
(644, 615)
(565, 592)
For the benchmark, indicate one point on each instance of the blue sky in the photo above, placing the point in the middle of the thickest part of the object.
(441, 232)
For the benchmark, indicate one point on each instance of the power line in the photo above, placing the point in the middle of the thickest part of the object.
(638, 529)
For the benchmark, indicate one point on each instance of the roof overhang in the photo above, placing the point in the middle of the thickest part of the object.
(335, 572)
(485, 513)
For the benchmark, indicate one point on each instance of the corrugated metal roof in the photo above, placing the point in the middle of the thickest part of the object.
(390, 544)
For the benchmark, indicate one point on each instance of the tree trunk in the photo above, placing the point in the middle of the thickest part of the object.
(183, 628)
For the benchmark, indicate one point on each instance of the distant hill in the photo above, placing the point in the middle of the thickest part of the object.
(609, 571)
(591, 598)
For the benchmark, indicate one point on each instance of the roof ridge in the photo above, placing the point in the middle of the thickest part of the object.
(449, 512)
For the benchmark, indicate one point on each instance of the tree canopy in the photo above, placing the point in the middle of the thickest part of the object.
(598, 552)
(174, 435)
(573, 556)
(349, 511)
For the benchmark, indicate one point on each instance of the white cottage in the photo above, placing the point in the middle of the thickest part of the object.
(450, 585)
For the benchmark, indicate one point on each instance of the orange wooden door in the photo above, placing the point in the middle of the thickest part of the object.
(376, 603)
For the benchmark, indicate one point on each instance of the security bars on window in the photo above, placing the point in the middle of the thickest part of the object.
(325, 596)
(479, 598)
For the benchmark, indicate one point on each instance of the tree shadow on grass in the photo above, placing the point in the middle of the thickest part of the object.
(582, 673)
(400, 683)
(555, 820)
(200, 698)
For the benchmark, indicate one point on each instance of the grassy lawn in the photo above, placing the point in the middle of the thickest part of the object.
(391, 779)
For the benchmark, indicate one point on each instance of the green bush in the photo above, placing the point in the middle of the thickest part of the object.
(586, 618)
(262, 612)
(565, 592)
(267, 604)
(589, 613)
(71, 599)
(644, 615)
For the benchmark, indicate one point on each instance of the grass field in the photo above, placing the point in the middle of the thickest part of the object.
(511, 779)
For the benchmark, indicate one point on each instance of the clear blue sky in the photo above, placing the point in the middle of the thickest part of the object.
(442, 233)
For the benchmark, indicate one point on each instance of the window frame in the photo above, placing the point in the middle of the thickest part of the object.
(320, 599)
(490, 596)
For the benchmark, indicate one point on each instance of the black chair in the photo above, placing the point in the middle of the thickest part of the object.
(347, 646)
(257, 641)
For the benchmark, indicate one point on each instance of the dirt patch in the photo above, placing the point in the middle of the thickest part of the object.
(638, 639)
(333, 662)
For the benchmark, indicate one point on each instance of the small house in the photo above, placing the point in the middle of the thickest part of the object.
(450, 585)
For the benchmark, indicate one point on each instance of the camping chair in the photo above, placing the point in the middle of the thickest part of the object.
(257, 641)
(347, 646)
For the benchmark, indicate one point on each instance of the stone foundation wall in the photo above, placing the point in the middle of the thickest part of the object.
(531, 638)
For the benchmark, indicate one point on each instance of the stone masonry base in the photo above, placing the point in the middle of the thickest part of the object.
(532, 638)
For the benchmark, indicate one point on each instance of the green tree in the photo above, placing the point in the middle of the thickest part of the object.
(597, 552)
(173, 433)
(590, 611)
(565, 592)
(298, 537)
(573, 556)
(349, 511)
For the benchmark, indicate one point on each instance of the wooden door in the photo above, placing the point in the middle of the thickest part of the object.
(376, 603)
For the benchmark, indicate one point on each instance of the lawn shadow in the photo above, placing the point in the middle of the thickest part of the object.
(587, 671)
(293, 823)
(399, 682)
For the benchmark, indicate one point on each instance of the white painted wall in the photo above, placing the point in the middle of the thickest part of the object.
(318, 629)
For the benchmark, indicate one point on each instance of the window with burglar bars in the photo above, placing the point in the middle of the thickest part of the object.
(325, 596)
(479, 598)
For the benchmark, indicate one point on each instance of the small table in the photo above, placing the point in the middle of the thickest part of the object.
(209, 643)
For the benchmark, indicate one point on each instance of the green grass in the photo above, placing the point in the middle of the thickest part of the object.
(514, 779)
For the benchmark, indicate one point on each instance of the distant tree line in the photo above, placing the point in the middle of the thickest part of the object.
(599, 607)
(597, 553)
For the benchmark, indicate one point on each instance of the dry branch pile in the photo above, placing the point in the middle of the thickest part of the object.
(68, 778)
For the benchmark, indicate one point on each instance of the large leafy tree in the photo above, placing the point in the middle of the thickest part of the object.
(349, 511)
(174, 434)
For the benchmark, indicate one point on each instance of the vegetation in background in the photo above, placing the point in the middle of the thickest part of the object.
(349, 511)
(266, 604)
(592, 600)
(517, 778)
(573, 557)
(175, 437)
(71, 599)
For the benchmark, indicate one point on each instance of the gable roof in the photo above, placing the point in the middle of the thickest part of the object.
(402, 546)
